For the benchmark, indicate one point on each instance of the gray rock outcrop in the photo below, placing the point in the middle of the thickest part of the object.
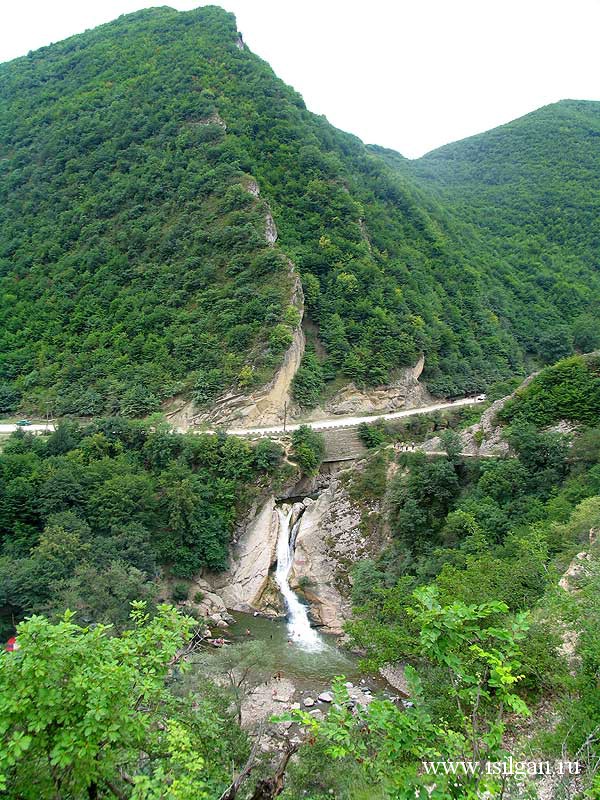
(404, 392)
(485, 437)
(266, 405)
(328, 541)
(243, 585)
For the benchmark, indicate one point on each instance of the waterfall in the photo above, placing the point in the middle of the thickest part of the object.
(300, 631)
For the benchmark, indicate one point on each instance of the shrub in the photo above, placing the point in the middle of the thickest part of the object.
(371, 435)
(308, 382)
(308, 449)
(180, 592)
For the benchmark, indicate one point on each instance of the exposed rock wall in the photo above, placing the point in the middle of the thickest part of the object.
(404, 392)
(266, 405)
(329, 540)
(243, 585)
(485, 437)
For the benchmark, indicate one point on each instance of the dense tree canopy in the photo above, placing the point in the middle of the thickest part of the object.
(88, 714)
(87, 515)
(133, 258)
(569, 390)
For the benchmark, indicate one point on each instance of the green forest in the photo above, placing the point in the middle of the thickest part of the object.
(163, 198)
(133, 261)
(105, 505)
(105, 700)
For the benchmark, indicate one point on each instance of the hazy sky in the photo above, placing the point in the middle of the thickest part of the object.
(407, 74)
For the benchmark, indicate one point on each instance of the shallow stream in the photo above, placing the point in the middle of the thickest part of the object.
(293, 660)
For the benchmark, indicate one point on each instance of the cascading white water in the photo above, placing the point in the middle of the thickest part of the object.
(300, 631)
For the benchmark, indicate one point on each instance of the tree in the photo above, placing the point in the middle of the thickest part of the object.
(308, 382)
(268, 455)
(308, 449)
(452, 444)
(481, 660)
(371, 435)
(239, 666)
(87, 714)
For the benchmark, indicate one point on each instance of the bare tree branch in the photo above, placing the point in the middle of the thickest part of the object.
(231, 792)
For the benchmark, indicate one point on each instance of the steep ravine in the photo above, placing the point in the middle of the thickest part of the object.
(328, 540)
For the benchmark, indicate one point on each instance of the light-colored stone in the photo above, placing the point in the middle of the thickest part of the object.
(362, 698)
(242, 585)
(486, 430)
(328, 538)
(308, 702)
(326, 697)
(394, 675)
(270, 229)
(266, 700)
(264, 406)
(403, 392)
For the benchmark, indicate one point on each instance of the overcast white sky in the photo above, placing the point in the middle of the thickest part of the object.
(407, 74)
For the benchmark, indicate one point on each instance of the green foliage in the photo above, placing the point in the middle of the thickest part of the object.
(133, 259)
(87, 514)
(578, 707)
(308, 382)
(180, 592)
(268, 455)
(569, 390)
(421, 499)
(308, 449)
(482, 659)
(147, 269)
(510, 187)
(372, 435)
(452, 444)
(317, 776)
(81, 709)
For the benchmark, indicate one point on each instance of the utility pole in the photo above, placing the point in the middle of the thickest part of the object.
(284, 415)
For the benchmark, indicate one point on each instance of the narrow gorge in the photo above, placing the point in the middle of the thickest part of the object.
(300, 630)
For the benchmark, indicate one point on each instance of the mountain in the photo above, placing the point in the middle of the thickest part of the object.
(147, 167)
(533, 188)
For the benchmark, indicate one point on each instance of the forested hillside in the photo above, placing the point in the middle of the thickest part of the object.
(532, 188)
(90, 516)
(133, 259)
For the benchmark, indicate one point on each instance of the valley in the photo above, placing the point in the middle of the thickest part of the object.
(299, 439)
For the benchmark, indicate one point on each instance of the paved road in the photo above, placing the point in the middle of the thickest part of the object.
(348, 422)
(42, 426)
(329, 423)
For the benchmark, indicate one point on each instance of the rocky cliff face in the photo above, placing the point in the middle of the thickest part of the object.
(329, 540)
(244, 584)
(485, 437)
(404, 392)
(266, 405)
